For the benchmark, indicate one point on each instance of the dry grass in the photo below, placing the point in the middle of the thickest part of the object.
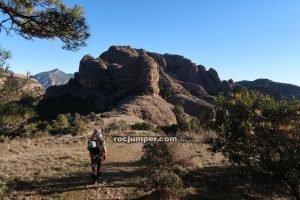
(45, 166)
(58, 168)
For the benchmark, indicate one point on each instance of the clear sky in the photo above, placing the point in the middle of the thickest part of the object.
(241, 39)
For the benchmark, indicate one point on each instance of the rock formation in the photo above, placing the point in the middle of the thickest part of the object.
(144, 84)
(26, 85)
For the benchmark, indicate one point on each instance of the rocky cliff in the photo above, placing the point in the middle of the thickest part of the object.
(144, 84)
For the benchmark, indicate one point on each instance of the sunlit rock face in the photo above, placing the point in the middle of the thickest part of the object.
(122, 72)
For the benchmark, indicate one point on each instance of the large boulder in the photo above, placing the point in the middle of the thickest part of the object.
(119, 54)
(139, 76)
(92, 72)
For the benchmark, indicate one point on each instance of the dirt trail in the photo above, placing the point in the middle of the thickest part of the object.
(58, 168)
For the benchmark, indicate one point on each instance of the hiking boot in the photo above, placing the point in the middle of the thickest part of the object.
(99, 176)
(94, 178)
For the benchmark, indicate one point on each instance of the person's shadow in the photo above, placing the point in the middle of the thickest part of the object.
(48, 186)
(77, 181)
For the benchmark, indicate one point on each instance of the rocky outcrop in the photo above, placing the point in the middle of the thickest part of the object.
(140, 76)
(186, 71)
(26, 86)
(121, 55)
(194, 106)
(153, 109)
(134, 80)
(92, 71)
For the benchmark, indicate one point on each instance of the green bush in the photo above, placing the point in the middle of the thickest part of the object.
(168, 129)
(14, 115)
(166, 93)
(164, 185)
(157, 155)
(66, 124)
(196, 125)
(60, 124)
(261, 135)
(77, 124)
(3, 190)
(160, 180)
(183, 124)
(2, 138)
(142, 126)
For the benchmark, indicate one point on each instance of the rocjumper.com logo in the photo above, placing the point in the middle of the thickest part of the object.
(143, 139)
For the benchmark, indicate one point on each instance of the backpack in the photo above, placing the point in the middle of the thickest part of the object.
(95, 142)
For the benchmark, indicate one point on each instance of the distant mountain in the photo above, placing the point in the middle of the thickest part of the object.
(53, 77)
(272, 88)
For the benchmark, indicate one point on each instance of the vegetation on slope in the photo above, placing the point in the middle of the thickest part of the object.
(262, 136)
(274, 89)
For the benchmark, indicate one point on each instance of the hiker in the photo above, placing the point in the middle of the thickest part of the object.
(97, 150)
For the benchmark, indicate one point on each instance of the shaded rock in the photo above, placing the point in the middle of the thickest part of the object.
(92, 72)
(184, 70)
(214, 75)
(194, 106)
(159, 59)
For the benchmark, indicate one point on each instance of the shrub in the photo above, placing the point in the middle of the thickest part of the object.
(2, 138)
(164, 185)
(142, 126)
(66, 124)
(183, 125)
(166, 93)
(262, 134)
(196, 125)
(60, 124)
(77, 124)
(157, 155)
(160, 180)
(3, 190)
(13, 116)
(168, 129)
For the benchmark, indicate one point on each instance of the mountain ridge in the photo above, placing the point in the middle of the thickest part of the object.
(52, 77)
(273, 88)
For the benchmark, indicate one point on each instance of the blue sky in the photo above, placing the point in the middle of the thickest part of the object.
(241, 39)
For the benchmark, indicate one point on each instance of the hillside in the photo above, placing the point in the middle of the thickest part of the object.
(21, 83)
(272, 88)
(137, 82)
(53, 77)
(58, 167)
